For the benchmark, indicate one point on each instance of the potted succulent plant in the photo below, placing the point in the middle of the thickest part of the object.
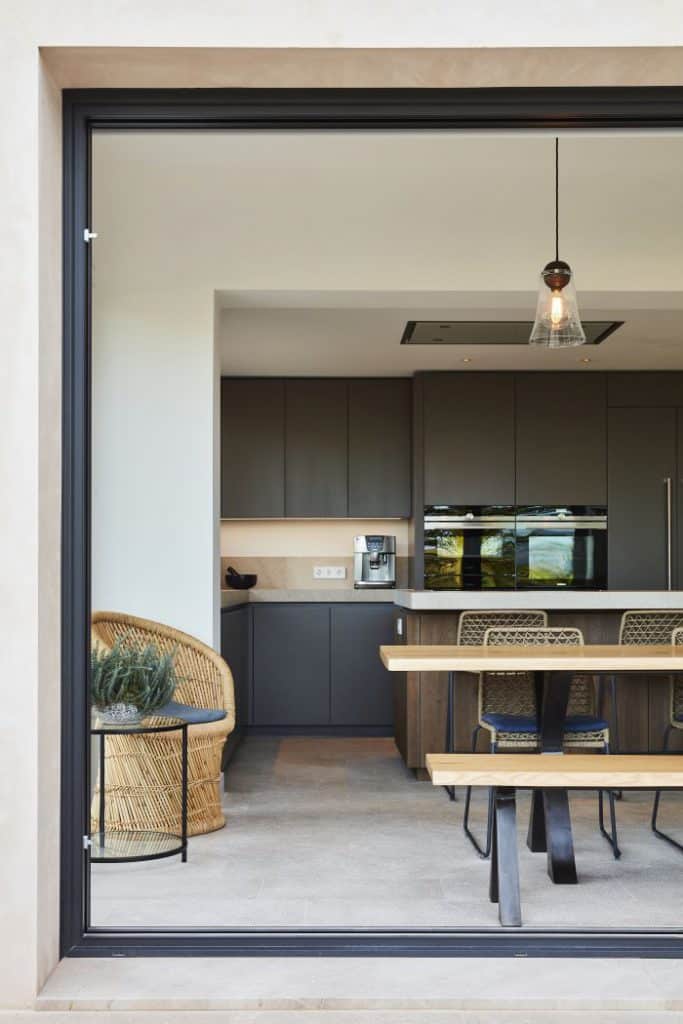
(129, 682)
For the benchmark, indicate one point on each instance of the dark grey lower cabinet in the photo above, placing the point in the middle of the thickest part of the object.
(361, 686)
(318, 666)
(291, 664)
(235, 644)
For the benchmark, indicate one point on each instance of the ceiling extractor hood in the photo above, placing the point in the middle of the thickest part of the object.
(491, 332)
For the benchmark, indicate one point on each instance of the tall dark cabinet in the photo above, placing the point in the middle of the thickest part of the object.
(316, 427)
(641, 458)
(235, 648)
(252, 447)
(561, 438)
(468, 439)
(379, 447)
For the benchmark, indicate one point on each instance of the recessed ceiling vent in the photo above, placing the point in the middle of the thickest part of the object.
(491, 332)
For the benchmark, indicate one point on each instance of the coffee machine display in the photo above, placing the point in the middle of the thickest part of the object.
(374, 561)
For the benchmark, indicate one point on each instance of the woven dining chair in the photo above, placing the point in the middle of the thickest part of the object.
(508, 712)
(641, 627)
(472, 627)
(143, 775)
(675, 722)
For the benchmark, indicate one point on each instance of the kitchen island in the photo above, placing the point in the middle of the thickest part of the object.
(431, 617)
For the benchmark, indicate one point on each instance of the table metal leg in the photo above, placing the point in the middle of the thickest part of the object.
(183, 810)
(550, 807)
(450, 728)
(504, 879)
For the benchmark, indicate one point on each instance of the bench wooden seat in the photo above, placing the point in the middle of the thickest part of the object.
(506, 773)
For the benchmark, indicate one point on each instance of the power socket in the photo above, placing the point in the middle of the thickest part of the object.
(329, 572)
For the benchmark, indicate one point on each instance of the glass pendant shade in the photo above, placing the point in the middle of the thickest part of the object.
(557, 323)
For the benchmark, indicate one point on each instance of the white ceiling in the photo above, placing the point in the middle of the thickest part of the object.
(320, 246)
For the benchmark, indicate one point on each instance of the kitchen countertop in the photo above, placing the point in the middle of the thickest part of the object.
(235, 598)
(546, 600)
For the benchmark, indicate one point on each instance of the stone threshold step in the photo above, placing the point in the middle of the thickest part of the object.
(498, 1016)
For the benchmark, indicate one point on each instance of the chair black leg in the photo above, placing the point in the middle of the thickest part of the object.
(614, 742)
(655, 808)
(610, 836)
(485, 850)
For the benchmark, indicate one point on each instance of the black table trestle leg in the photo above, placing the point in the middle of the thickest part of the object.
(557, 820)
(183, 810)
(450, 729)
(655, 808)
(504, 877)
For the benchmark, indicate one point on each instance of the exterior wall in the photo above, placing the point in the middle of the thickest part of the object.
(30, 290)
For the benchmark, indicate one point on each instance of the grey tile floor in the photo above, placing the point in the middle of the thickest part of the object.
(338, 833)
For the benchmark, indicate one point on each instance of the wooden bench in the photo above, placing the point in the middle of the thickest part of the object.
(506, 773)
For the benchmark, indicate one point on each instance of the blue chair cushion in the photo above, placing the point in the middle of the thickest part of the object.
(510, 723)
(525, 723)
(585, 723)
(187, 713)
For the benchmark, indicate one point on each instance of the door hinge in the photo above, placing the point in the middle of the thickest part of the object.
(88, 235)
(87, 842)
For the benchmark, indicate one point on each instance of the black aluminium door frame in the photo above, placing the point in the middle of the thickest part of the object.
(262, 109)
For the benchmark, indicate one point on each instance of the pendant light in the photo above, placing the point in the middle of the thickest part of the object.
(557, 323)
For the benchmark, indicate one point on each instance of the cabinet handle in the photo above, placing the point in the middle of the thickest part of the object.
(669, 572)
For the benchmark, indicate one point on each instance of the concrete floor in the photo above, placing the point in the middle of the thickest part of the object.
(337, 833)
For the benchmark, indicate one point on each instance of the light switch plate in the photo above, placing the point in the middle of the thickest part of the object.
(329, 572)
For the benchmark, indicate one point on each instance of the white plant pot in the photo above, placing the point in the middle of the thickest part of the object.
(120, 714)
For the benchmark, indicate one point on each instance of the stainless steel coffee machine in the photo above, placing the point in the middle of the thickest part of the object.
(374, 561)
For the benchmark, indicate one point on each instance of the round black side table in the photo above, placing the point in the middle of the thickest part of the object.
(127, 847)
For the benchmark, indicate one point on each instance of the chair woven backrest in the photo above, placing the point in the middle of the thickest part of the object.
(649, 627)
(582, 693)
(473, 625)
(677, 684)
(205, 681)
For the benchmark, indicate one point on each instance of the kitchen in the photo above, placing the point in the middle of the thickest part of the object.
(339, 416)
(498, 488)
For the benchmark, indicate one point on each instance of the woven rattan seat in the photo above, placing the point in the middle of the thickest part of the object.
(143, 772)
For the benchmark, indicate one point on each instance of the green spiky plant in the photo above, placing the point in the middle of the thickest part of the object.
(130, 674)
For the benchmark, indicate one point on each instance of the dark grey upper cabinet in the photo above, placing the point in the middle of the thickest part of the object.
(291, 662)
(642, 456)
(362, 689)
(646, 389)
(379, 447)
(469, 439)
(561, 438)
(316, 448)
(252, 448)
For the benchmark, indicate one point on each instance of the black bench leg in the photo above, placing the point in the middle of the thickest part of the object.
(535, 839)
(450, 728)
(561, 863)
(504, 879)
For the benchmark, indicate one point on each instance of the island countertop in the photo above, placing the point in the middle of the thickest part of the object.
(545, 600)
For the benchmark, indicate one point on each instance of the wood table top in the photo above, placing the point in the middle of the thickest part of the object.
(557, 771)
(589, 658)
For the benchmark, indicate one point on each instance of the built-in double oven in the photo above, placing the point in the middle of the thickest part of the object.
(503, 547)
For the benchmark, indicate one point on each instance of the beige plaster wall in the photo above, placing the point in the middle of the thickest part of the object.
(253, 35)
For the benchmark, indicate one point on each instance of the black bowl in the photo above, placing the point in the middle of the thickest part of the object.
(240, 580)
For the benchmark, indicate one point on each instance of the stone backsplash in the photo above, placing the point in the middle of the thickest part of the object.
(296, 573)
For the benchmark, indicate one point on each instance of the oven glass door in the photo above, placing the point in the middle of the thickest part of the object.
(562, 553)
(470, 551)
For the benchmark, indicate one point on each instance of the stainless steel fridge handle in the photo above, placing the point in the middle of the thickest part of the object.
(669, 569)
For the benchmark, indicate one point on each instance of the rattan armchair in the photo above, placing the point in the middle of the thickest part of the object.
(143, 787)
(675, 722)
(508, 712)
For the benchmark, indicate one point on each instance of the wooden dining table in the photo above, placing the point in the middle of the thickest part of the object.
(553, 668)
